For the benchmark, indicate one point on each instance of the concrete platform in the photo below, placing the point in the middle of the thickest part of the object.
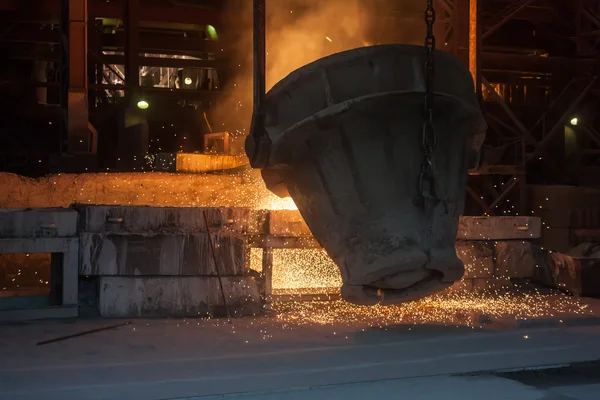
(445, 387)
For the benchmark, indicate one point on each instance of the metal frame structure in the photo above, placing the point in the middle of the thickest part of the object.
(528, 95)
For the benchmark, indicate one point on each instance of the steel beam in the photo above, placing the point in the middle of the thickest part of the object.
(561, 122)
(163, 62)
(158, 11)
(506, 18)
(513, 182)
(535, 64)
(475, 44)
(150, 42)
(79, 139)
(48, 11)
(460, 28)
(132, 50)
(524, 131)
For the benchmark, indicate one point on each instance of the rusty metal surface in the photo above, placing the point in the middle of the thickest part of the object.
(350, 156)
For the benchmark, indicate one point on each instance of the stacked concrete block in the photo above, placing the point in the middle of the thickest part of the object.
(495, 250)
(158, 261)
(577, 273)
(490, 265)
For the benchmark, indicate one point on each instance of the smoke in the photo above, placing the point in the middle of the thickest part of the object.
(302, 31)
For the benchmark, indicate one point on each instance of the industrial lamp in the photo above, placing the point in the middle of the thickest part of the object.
(574, 121)
(143, 104)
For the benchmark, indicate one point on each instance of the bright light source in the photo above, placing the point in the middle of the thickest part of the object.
(574, 121)
(212, 32)
(188, 81)
(143, 104)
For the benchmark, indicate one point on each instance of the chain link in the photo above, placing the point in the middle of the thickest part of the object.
(429, 138)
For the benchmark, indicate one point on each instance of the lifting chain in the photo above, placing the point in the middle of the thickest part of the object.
(429, 139)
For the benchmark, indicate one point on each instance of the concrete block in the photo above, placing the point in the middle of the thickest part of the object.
(129, 255)
(478, 257)
(499, 228)
(124, 297)
(201, 163)
(41, 223)
(166, 220)
(514, 259)
(287, 223)
(576, 275)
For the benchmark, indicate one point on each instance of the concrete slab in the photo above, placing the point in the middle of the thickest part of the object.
(167, 220)
(290, 223)
(124, 297)
(515, 259)
(170, 255)
(201, 163)
(49, 222)
(499, 228)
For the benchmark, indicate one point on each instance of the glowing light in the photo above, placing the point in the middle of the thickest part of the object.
(574, 121)
(212, 32)
(143, 104)
(188, 81)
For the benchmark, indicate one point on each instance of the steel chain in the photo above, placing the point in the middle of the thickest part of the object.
(429, 139)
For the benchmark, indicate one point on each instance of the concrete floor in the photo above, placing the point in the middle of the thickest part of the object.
(275, 358)
(428, 388)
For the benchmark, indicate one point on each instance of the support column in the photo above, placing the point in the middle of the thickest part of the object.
(79, 139)
(267, 273)
(132, 51)
(133, 140)
(475, 45)
(460, 29)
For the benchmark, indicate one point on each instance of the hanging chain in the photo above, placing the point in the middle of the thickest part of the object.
(429, 139)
